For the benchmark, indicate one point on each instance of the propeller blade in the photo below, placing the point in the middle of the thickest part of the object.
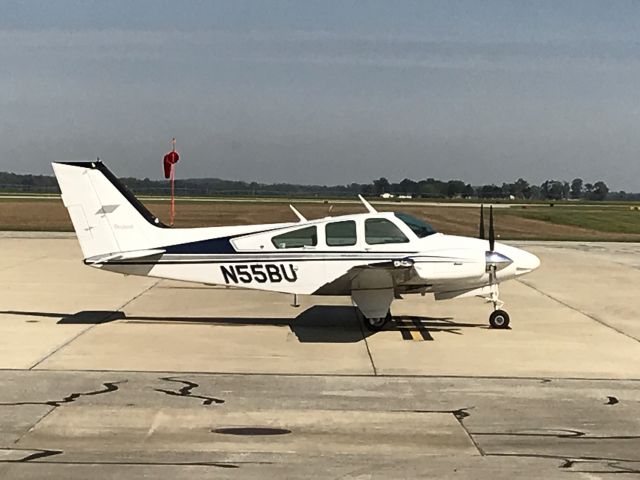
(492, 236)
(481, 235)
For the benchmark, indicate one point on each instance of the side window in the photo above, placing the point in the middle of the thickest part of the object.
(303, 237)
(381, 230)
(341, 234)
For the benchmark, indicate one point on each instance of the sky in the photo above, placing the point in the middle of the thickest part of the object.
(325, 92)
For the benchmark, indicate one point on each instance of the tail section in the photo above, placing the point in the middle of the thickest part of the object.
(106, 216)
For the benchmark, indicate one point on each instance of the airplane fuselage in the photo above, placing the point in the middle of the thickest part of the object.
(373, 257)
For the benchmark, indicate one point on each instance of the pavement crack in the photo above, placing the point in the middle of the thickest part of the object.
(108, 388)
(567, 463)
(610, 465)
(34, 454)
(459, 414)
(612, 400)
(617, 468)
(557, 433)
(185, 391)
(40, 454)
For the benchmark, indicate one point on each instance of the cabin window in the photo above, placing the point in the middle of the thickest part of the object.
(341, 234)
(420, 228)
(303, 237)
(380, 230)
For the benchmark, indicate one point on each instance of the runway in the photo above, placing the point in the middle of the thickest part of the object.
(105, 376)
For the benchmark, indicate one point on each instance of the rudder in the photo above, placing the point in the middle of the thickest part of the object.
(106, 217)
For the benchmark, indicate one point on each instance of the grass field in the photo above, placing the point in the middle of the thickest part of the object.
(613, 219)
(535, 222)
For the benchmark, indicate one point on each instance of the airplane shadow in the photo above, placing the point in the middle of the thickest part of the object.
(317, 324)
(421, 328)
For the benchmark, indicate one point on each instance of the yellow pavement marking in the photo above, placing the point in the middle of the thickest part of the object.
(412, 328)
(415, 333)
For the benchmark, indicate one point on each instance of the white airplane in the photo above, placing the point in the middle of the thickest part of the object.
(373, 257)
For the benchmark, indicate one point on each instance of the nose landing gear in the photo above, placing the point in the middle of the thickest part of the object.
(495, 261)
(498, 318)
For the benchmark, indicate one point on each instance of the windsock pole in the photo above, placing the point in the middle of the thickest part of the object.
(173, 200)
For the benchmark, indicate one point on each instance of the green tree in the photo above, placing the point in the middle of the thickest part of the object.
(576, 188)
(588, 189)
(408, 187)
(600, 190)
(469, 191)
(552, 190)
(381, 186)
(455, 188)
(522, 189)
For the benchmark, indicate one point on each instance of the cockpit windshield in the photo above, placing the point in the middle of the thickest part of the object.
(420, 228)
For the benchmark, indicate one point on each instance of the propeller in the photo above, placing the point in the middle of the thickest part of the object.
(492, 235)
(495, 260)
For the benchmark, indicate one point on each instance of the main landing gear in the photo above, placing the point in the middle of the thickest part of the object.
(376, 324)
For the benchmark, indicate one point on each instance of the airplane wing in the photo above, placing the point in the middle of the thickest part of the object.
(418, 272)
(380, 274)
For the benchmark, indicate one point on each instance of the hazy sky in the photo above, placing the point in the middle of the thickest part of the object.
(325, 91)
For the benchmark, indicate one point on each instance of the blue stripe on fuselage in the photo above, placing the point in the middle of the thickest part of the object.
(214, 245)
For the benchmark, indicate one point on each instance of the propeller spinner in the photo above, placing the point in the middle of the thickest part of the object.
(495, 260)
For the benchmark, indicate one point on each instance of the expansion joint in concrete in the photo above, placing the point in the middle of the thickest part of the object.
(575, 309)
(57, 349)
(366, 344)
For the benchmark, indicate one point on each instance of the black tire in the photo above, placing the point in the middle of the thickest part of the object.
(499, 319)
(376, 324)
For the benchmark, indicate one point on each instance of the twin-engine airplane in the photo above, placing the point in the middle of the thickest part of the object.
(373, 257)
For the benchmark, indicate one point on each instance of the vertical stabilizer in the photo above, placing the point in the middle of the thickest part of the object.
(107, 218)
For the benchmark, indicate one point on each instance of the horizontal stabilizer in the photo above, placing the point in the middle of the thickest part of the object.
(125, 256)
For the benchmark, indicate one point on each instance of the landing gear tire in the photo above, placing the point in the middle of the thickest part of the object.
(499, 319)
(376, 324)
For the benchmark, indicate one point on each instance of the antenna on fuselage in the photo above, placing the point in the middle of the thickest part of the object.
(298, 214)
(367, 205)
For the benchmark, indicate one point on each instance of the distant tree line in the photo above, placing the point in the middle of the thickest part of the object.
(429, 188)
(520, 189)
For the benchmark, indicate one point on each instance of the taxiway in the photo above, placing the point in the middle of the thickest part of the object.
(124, 377)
